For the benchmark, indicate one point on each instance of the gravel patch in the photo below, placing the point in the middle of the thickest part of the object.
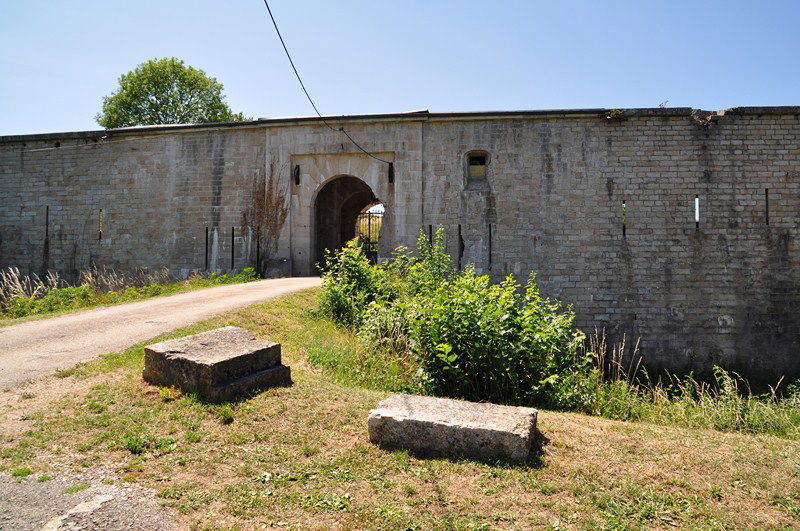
(79, 502)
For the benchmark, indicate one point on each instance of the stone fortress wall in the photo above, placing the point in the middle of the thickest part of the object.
(722, 290)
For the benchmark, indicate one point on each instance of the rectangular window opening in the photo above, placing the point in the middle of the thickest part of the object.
(232, 246)
(430, 235)
(477, 166)
(766, 205)
(206, 268)
(100, 226)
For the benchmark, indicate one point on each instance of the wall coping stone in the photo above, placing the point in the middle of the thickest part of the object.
(98, 135)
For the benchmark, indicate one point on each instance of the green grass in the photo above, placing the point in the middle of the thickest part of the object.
(61, 300)
(344, 360)
(77, 488)
(21, 472)
(300, 457)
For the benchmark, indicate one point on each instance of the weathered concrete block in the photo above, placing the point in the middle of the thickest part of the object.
(440, 426)
(219, 364)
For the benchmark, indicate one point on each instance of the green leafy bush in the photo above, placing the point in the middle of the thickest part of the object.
(349, 285)
(467, 337)
(479, 341)
(419, 325)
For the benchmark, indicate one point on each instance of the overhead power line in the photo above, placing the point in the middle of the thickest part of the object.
(297, 74)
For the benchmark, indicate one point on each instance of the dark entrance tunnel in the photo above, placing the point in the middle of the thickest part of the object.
(336, 210)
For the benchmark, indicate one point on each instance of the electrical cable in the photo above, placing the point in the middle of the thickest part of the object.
(291, 62)
(302, 85)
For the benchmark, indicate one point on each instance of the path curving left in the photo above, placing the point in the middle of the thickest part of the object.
(36, 348)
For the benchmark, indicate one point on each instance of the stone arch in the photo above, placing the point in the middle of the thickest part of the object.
(336, 206)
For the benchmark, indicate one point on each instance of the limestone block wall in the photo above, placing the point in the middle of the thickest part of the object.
(724, 290)
(159, 194)
(323, 154)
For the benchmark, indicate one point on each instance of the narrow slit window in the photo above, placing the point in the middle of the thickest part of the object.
(258, 250)
(696, 211)
(766, 205)
(477, 166)
(100, 225)
(490, 246)
(233, 245)
(460, 247)
(206, 261)
(624, 219)
(430, 235)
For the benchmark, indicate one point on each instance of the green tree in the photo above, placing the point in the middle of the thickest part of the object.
(165, 91)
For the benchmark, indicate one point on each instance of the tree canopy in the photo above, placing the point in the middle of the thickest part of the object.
(165, 91)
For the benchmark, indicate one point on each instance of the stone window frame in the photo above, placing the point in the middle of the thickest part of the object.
(476, 153)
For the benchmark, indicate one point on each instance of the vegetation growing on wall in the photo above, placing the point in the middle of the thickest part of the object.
(21, 296)
(434, 330)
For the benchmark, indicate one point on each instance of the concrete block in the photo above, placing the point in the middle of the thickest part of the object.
(219, 364)
(445, 427)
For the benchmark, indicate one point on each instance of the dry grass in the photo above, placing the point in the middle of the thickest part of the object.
(15, 284)
(299, 456)
(25, 297)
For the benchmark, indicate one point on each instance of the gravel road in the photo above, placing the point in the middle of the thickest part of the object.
(36, 348)
(74, 502)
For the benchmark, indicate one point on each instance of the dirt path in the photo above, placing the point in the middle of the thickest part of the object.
(35, 348)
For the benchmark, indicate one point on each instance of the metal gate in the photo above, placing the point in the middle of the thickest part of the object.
(368, 228)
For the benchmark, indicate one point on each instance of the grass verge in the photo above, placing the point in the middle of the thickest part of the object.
(54, 301)
(299, 457)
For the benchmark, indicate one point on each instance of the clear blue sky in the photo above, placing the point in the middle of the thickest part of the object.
(60, 58)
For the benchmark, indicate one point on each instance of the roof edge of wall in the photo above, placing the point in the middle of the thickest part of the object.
(101, 134)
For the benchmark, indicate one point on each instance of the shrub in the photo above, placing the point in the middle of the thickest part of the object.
(478, 341)
(469, 339)
(248, 274)
(349, 284)
(422, 326)
(433, 268)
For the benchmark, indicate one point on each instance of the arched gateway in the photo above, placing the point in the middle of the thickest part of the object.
(336, 210)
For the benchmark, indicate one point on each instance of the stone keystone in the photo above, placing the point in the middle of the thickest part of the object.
(219, 364)
(440, 426)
